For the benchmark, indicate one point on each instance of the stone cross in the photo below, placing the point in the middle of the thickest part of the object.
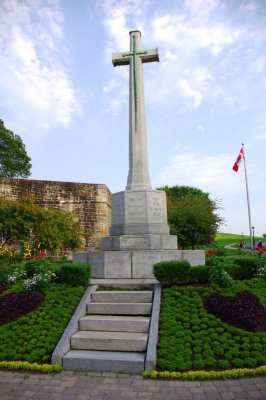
(138, 175)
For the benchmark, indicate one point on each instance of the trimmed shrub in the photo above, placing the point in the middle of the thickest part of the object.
(243, 309)
(249, 266)
(214, 260)
(199, 273)
(74, 274)
(173, 272)
(234, 270)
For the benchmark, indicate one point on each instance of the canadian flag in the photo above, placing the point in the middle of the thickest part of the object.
(240, 157)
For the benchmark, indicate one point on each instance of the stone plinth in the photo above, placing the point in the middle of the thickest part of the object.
(139, 212)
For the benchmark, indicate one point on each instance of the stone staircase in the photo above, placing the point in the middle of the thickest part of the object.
(113, 335)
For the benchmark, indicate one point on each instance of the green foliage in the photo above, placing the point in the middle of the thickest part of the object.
(64, 271)
(191, 215)
(33, 337)
(14, 161)
(206, 375)
(58, 230)
(39, 281)
(239, 267)
(34, 367)
(75, 274)
(33, 267)
(190, 336)
(199, 273)
(218, 277)
(5, 269)
(172, 272)
(249, 266)
(51, 228)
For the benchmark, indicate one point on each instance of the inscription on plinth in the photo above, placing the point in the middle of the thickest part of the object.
(136, 207)
(156, 208)
(139, 207)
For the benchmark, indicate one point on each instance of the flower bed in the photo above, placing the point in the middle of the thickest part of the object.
(191, 338)
(33, 337)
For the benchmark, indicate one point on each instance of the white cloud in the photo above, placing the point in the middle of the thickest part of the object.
(213, 174)
(249, 7)
(31, 72)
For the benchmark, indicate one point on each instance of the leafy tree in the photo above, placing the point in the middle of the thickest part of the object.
(191, 215)
(14, 161)
(53, 229)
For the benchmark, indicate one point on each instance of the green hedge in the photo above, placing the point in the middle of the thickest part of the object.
(75, 274)
(249, 266)
(199, 273)
(172, 272)
(240, 267)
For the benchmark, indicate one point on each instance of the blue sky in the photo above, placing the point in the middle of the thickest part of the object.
(62, 95)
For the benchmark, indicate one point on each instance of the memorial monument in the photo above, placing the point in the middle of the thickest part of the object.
(139, 234)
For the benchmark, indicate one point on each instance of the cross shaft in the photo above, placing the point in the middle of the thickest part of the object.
(138, 176)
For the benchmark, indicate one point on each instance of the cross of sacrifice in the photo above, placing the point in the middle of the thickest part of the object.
(138, 176)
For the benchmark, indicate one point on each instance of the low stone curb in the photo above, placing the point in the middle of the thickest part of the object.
(151, 354)
(63, 346)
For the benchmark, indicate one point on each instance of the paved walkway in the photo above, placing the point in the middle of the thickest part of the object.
(69, 385)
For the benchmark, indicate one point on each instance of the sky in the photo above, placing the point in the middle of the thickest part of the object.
(61, 94)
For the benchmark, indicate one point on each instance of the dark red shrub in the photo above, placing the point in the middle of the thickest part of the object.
(243, 309)
(15, 305)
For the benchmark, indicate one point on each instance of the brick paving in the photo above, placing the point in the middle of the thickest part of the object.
(69, 385)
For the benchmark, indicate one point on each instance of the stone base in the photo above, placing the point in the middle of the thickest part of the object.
(134, 264)
(139, 242)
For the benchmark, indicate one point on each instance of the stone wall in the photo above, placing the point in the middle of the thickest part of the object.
(91, 203)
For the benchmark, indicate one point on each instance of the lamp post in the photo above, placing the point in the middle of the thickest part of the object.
(253, 236)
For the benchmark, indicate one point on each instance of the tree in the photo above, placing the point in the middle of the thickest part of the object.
(52, 229)
(191, 215)
(14, 161)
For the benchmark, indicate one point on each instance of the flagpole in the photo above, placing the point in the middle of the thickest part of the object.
(248, 202)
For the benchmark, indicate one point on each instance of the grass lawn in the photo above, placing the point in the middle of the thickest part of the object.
(190, 338)
(223, 239)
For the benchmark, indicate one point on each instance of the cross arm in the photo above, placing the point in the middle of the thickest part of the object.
(118, 59)
(151, 55)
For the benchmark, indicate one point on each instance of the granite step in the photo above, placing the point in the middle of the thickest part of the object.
(109, 341)
(119, 308)
(122, 296)
(104, 361)
(113, 335)
(114, 323)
